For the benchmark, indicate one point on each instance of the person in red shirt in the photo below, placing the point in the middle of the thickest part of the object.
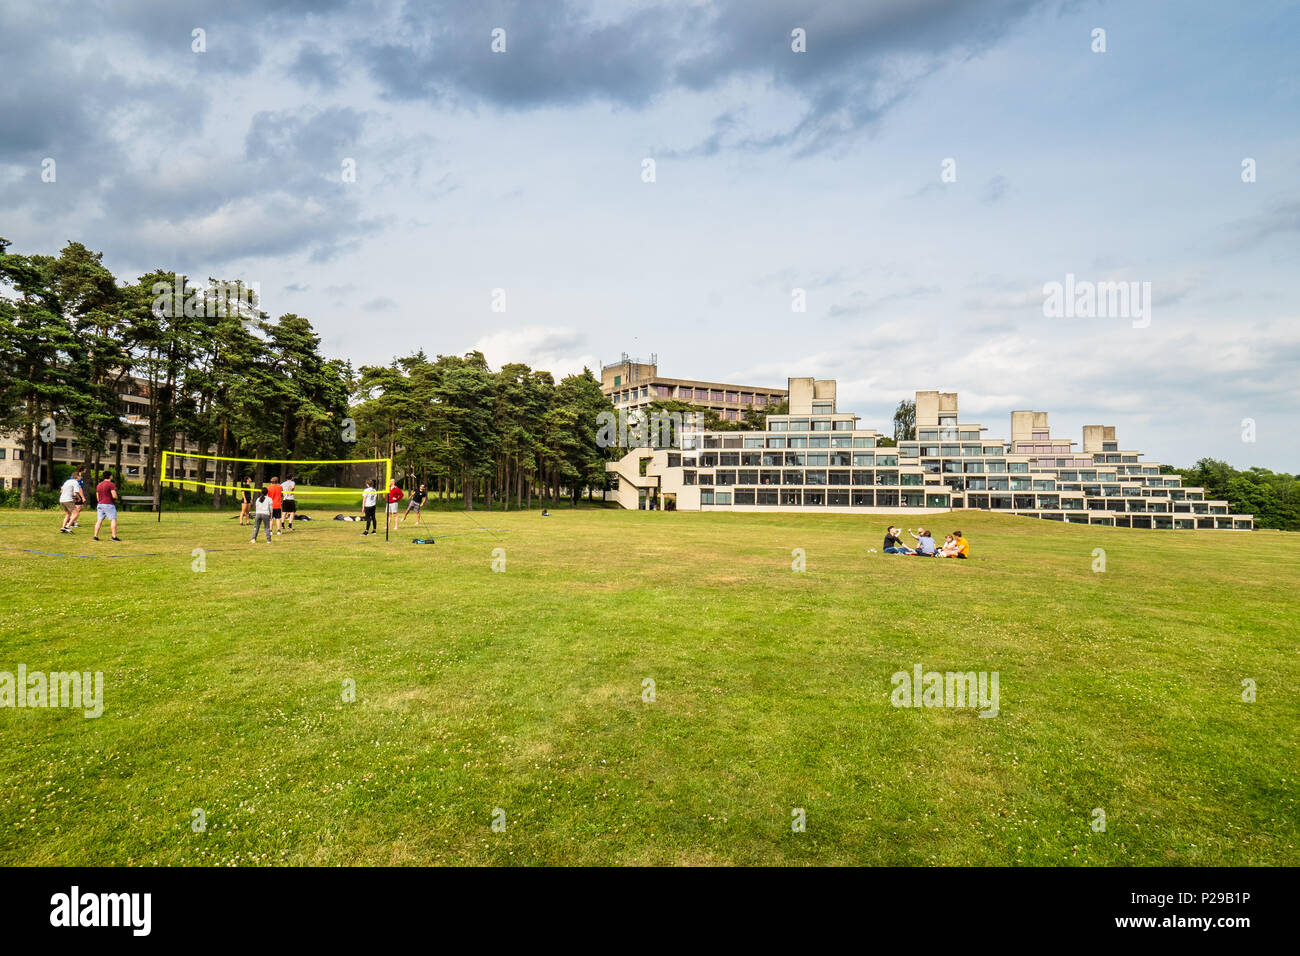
(276, 493)
(106, 505)
(395, 495)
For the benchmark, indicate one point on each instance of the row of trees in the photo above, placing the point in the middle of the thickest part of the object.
(216, 370)
(1272, 497)
(222, 375)
(467, 430)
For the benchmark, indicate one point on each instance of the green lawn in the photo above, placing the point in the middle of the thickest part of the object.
(522, 690)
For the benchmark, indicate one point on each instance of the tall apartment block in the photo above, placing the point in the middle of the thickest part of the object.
(818, 459)
(630, 384)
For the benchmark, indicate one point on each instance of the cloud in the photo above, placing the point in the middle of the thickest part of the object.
(861, 59)
(380, 304)
(554, 349)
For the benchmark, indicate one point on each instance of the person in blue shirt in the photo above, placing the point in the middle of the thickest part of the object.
(924, 542)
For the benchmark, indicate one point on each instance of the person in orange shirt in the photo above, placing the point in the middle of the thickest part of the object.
(276, 493)
(963, 546)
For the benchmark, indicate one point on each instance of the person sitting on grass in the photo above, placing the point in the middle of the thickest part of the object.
(963, 546)
(924, 543)
(949, 548)
(894, 542)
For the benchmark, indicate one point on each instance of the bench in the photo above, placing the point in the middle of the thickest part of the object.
(129, 500)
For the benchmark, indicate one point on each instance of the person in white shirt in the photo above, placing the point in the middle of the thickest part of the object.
(262, 513)
(369, 497)
(71, 500)
(289, 504)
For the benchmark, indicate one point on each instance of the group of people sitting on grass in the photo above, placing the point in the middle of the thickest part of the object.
(954, 545)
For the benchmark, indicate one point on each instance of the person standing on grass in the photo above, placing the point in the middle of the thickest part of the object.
(69, 500)
(262, 508)
(416, 502)
(395, 494)
(368, 498)
(106, 505)
(290, 504)
(277, 496)
(246, 502)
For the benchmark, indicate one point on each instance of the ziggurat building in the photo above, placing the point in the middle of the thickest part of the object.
(818, 459)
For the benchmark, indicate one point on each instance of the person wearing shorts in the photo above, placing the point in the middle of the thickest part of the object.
(276, 493)
(368, 499)
(395, 494)
(289, 504)
(106, 505)
(70, 501)
(246, 501)
(416, 502)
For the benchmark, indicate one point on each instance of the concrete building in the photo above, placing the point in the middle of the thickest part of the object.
(134, 398)
(631, 383)
(817, 458)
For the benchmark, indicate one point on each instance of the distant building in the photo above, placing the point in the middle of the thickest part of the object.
(630, 384)
(816, 458)
(134, 398)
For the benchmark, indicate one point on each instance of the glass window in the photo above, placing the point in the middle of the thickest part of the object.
(886, 477)
(841, 441)
(769, 497)
(840, 459)
(744, 497)
(863, 477)
(863, 460)
(818, 460)
(814, 477)
(821, 425)
(769, 477)
(863, 499)
(861, 442)
(839, 478)
(722, 498)
(798, 424)
(888, 460)
(887, 499)
(747, 476)
(814, 498)
(791, 497)
(776, 443)
(819, 442)
(729, 458)
(795, 457)
(910, 479)
(792, 477)
(798, 442)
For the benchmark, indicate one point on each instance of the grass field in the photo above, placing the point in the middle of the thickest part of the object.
(523, 690)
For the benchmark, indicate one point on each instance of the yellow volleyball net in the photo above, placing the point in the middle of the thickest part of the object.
(186, 470)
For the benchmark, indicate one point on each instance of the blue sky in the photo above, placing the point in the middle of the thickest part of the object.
(775, 170)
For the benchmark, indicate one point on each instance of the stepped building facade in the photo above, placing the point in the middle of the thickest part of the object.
(817, 459)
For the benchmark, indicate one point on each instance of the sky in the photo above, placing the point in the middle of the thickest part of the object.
(677, 178)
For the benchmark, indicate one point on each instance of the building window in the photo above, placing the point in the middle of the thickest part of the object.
(618, 380)
(837, 499)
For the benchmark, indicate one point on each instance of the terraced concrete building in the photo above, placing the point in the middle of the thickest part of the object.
(817, 458)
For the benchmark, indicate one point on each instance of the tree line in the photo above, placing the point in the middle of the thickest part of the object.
(1272, 497)
(222, 374)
